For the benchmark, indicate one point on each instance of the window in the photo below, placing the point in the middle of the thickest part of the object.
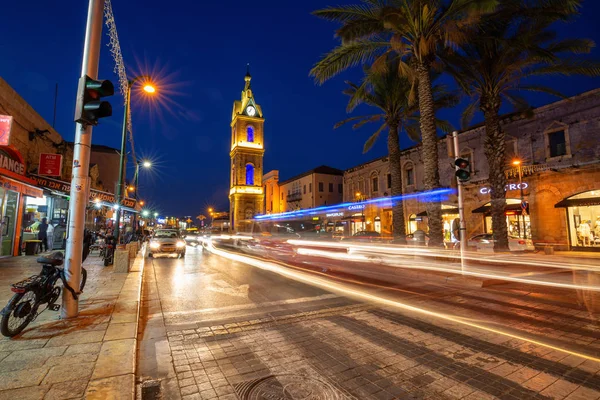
(331, 188)
(410, 176)
(340, 188)
(557, 143)
(250, 134)
(304, 189)
(310, 188)
(320, 186)
(249, 174)
(375, 184)
(389, 181)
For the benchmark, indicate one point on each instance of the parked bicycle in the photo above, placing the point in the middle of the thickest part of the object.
(36, 291)
(108, 250)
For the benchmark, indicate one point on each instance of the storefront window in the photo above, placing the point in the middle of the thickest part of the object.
(584, 219)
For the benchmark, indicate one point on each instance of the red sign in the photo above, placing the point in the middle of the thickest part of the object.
(50, 164)
(5, 125)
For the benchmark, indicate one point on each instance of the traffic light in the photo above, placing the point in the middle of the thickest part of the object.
(89, 108)
(463, 173)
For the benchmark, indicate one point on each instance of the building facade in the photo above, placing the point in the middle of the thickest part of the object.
(559, 153)
(318, 187)
(246, 197)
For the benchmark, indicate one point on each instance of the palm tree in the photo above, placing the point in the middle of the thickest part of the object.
(390, 93)
(416, 31)
(516, 42)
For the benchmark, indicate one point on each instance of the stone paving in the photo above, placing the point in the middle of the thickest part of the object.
(92, 356)
(363, 351)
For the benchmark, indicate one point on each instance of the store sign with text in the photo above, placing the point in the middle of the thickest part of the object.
(5, 127)
(9, 163)
(509, 187)
(65, 187)
(335, 214)
(356, 207)
(50, 164)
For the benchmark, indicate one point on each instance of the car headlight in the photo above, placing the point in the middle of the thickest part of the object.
(154, 245)
(180, 244)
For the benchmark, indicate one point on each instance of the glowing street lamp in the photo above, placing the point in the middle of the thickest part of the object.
(149, 88)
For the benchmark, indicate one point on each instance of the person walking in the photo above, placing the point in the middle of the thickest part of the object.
(43, 235)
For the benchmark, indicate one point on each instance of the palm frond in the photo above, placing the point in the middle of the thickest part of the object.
(346, 56)
(373, 138)
(468, 114)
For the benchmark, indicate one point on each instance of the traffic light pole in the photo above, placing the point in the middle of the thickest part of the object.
(461, 207)
(81, 165)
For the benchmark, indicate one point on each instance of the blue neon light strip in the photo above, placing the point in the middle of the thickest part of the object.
(344, 206)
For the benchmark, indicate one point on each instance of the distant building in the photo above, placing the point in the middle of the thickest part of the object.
(320, 186)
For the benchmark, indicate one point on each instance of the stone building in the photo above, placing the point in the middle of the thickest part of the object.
(318, 187)
(29, 193)
(246, 195)
(559, 153)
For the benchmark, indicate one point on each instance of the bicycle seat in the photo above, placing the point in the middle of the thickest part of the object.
(54, 259)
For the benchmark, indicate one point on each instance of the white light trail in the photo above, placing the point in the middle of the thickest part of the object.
(340, 288)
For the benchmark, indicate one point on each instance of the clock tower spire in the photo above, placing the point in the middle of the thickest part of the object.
(247, 151)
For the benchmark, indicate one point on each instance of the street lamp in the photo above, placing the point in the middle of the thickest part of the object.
(148, 88)
(517, 163)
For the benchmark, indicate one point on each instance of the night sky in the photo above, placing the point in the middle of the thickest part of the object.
(199, 51)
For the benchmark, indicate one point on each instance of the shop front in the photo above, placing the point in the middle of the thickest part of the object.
(15, 190)
(518, 221)
(449, 214)
(100, 212)
(583, 220)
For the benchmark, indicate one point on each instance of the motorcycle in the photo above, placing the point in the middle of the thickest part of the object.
(35, 291)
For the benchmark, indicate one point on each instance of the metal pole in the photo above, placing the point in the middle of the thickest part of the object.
(522, 198)
(119, 196)
(81, 165)
(461, 208)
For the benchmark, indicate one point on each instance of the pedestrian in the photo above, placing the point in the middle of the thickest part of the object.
(43, 235)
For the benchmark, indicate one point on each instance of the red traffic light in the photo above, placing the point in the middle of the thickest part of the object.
(461, 163)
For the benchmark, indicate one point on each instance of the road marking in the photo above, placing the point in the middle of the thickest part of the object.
(240, 307)
(220, 286)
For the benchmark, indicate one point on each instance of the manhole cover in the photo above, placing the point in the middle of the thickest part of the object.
(288, 387)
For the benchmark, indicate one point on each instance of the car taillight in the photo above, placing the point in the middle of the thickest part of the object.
(522, 242)
(17, 290)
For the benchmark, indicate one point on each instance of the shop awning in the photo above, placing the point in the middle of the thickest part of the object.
(592, 201)
(488, 208)
(445, 211)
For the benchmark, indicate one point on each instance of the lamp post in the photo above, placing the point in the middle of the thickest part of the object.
(148, 88)
(517, 163)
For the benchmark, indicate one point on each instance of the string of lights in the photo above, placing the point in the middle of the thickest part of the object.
(119, 69)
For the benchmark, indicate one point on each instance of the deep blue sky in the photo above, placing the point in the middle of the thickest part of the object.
(200, 50)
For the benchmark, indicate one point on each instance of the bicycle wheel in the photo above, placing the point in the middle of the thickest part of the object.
(83, 279)
(18, 313)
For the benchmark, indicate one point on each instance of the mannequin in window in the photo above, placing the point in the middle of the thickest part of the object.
(585, 232)
(597, 230)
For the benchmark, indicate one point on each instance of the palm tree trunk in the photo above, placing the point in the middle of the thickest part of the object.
(495, 151)
(393, 144)
(430, 155)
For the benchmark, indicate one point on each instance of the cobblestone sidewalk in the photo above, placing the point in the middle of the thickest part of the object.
(92, 356)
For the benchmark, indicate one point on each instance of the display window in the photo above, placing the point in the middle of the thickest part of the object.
(583, 213)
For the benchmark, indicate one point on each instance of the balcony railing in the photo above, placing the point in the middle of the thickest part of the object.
(294, 196)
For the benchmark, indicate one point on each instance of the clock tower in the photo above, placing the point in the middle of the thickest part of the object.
(247, 149)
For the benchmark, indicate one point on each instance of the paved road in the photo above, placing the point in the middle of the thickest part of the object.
(213, 327)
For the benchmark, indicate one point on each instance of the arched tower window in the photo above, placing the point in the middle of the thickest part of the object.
(250, 134)
(249, 174)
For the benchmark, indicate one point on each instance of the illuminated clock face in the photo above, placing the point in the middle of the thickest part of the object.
(251, 111)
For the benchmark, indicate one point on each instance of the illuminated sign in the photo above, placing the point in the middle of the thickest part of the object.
(356, 207)
(510, 186)
(5, 126)
(9, 163)
(335, 214)
(246, 189)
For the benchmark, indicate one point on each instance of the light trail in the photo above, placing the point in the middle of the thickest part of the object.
(334, 286)
(393, 262)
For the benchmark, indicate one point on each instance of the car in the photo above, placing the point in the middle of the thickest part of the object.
(192, 238)
(485, 241)
(417, 238)
(364, 236)
(166, 241)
